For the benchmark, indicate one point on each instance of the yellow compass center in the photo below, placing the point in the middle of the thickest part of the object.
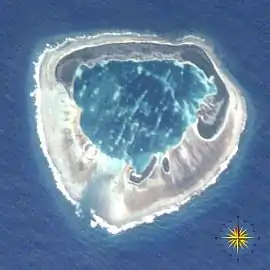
(238, 238)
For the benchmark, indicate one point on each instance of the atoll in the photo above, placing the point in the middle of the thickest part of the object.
(124, 181)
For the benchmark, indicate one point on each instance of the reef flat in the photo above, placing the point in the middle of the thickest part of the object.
(119, 196)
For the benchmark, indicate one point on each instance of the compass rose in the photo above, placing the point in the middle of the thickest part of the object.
(238, 237)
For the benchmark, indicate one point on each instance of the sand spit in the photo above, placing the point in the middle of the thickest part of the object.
(82, 172)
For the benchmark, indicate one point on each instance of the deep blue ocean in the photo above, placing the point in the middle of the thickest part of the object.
(39, 228)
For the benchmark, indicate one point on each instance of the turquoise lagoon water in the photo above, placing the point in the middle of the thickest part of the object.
(132, 110)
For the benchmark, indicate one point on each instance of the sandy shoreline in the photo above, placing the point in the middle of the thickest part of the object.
(78, 172)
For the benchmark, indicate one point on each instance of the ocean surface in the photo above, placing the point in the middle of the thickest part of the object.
(39, 228)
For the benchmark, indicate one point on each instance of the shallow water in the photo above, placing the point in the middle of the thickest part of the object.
(132, 110)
